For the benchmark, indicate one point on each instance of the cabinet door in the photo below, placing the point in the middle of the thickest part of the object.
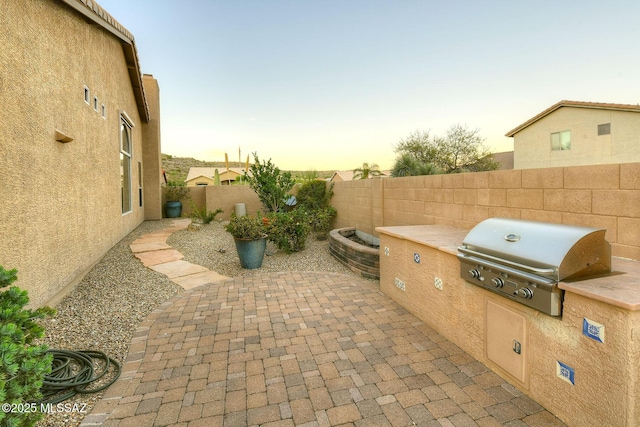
(506, 339)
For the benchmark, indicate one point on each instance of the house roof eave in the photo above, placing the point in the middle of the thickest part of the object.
(96, 14)
(575, 104)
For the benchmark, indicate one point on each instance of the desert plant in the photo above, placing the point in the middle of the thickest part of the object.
(367, 171)
(246, 227)
(270, 184)
(288, 230)
(174, 191)
(22, 366)
(204, 215)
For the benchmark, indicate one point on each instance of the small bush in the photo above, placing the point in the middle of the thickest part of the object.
(204, 215)
(246, 227)
(288, 230)
(321, 221)
(23, 366)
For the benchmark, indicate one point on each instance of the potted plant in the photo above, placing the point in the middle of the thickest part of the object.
(174, 191)
(250, 238)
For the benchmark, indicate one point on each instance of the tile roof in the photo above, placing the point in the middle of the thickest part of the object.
(575, 104)
(197, 171)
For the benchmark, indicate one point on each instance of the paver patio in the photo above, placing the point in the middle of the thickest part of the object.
(302, 349)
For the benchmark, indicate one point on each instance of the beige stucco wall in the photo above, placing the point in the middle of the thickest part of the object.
(603, 196)
(532, 145)
(61, 203)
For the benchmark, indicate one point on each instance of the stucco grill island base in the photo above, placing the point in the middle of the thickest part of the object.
(582, 366)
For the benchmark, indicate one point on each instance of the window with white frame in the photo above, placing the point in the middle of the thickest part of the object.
(126, 147)
(561, 140)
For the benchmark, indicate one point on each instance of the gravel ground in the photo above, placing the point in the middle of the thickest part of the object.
(104, 310)
(212, 247)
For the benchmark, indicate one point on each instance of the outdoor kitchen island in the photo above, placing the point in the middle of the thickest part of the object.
(582, 366)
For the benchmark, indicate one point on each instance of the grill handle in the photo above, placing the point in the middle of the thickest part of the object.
(540, 271)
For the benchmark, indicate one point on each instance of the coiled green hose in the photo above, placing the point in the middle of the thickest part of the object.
(72, 373)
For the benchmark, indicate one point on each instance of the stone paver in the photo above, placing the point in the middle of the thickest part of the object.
(155, 257)
(295, 349)
(310, 349)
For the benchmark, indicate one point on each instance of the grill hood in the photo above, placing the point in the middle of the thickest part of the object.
(556, 251)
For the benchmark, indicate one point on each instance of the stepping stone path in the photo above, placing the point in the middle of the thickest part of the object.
(154, 252)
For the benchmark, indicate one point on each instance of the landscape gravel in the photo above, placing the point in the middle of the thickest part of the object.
(103, 311)
(214, 248)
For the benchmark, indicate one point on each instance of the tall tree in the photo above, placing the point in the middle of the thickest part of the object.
(366, 171)
(461, 150)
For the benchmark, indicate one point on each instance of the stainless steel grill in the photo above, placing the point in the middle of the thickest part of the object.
(525, 260)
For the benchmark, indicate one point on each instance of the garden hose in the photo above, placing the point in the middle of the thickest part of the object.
(72, 372)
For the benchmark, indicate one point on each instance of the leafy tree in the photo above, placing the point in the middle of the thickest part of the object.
(22, 366)
(461, 150)
(408, 165)
(270, 184)
(366, 171)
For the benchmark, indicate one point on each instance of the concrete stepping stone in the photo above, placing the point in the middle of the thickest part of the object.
(150, 258)
(198, 279)
(148, 246)
(178, 268)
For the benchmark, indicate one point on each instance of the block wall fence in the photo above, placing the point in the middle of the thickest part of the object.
(601, 196)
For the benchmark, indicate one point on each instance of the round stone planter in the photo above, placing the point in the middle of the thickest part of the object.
(361, 259)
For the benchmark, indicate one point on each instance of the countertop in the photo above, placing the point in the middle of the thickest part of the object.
(619, 288)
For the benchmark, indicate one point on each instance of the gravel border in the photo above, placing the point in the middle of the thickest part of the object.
(106, 307)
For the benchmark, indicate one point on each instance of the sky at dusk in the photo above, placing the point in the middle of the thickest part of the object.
(330, 85)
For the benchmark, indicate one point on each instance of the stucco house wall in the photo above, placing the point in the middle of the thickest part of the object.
(61, 204)
(532, 139)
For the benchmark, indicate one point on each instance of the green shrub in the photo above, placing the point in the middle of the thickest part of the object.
(321, 221)
(246, 227)
(174, 191)
(23, 366)
(288, 230)
(314, 195)
(271, 186)
(204, 215)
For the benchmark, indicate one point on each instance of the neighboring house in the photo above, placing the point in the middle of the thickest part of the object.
(572, 133)
(339, 176)
(505, 159)
(205, 176)
(80, 161)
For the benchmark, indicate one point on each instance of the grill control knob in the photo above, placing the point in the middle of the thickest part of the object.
(525, 293)
(474, 273)
(497, 282)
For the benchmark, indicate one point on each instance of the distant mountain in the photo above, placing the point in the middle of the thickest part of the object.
(177, 168)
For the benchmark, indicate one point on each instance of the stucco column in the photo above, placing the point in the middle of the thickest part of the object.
(152, 152)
